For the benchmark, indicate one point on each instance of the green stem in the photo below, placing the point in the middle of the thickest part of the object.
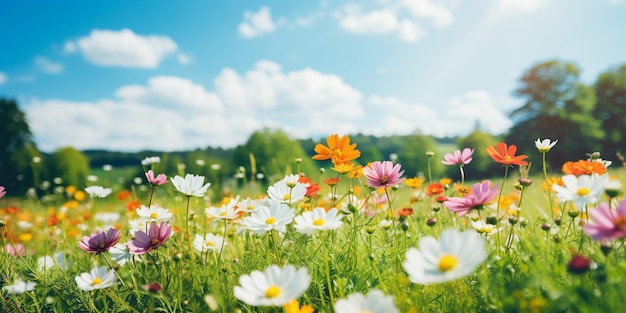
(506, 173)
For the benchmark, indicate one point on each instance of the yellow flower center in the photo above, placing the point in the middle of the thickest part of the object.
(447, 262)
(286, 196)
(270, 220)
(272, 291)
(318, 222)
(154, 215)
(223, 213)
(96, 281)
(583, 191)
(209, 243)
(365, 311)
(507, 158)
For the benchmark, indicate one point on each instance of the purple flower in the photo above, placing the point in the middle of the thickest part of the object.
(100, 241)
(144, 242)
(2, 191)
(481, 194)
(382, 174)
(458, 157)
(156, 181)
(607, 224)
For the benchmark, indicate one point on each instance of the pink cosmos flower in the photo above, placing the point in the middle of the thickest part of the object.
(156, 181)
(458, 157)
(144, 242)
(382, 174)
(480, 195)
(2, 191)
(15, 250)
(100, 241)
(607, 224)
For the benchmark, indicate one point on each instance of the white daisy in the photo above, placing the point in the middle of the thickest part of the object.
(455, 255)
(191, 185)
(264, 218)
(98, 191)
(248, 205)
(229, 211)
(150, 160)
(209, 242)
(47, 262)
(317, 219)
(119, 253)
(97, 278)
(582, 190)
(274, 287)
(287, 191)
(374, 302)
(20, 287)
(154, 214)
(544, 145)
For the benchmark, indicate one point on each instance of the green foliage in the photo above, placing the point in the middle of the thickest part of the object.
(412, 156)
(272, 153)
(71, 166)
(557, 106)
(16, 148)
(610, 88)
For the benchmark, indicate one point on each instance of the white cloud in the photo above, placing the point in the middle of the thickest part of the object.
(438, 15)
(3, 78)
(374, 22)
(123, 48)
(405, 18)
(507, 8)
(173, 113)
(257, 23)
(48, 66)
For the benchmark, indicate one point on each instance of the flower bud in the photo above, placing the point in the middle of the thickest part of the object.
(431, 221)
(370, 229)
(513, 220)
(430, 153)
(546, 226)
(525, 182)
(579, 264)
(492, 220)
(573, 213)
(557, 221)
(404, 226)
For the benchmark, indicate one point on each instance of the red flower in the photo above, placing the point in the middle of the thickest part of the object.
(434, 189)
(311, 187)
(506, 155)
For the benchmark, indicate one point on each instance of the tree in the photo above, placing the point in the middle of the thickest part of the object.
(611, 110)
(17, 148)
(412, 156)
(556, 106)
(272, 153)
(71, 166)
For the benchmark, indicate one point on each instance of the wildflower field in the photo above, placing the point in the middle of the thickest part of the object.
(355, 238)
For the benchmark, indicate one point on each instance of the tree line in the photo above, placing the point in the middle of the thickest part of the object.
(556, 104)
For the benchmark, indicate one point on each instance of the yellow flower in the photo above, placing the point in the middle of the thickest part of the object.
(414, 182)
(294, 307)
(25, 237)
(343, 167)
(79, 195)
(445, 181)
(356, 172)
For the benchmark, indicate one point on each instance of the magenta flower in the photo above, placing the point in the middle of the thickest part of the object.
(156, 181)
(607, 224)
(100, 241)
(2, 191)
(15, 250)
(481, 195)
(458, 157)
(382, 174)
(156, 236)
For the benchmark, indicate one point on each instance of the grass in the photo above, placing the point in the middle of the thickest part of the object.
(525, 274)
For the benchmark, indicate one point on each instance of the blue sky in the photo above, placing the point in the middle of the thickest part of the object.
(165, 75)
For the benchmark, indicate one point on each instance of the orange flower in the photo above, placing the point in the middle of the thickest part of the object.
(405, 212)
(123, 195)
(338, 149)
(333, 181)
(133, 205)
(294, 307)
(583, 167)
(506, 155)
(434, 189)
